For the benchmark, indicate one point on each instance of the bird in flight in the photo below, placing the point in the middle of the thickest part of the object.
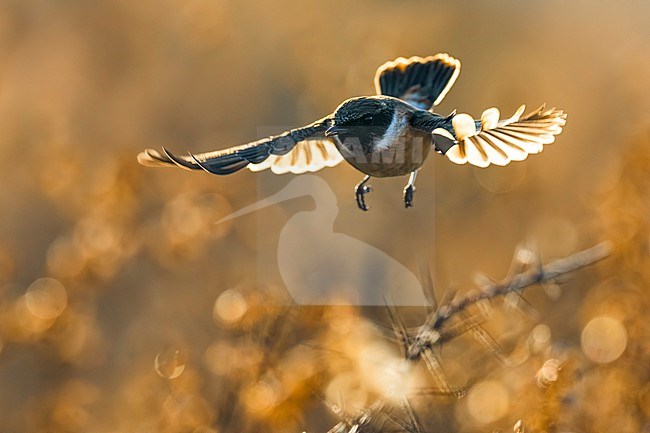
(388, 134)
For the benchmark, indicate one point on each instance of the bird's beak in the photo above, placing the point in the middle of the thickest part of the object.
(334, 130)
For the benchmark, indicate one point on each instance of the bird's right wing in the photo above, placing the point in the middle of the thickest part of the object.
(490, 140)
(494, 141)
(297, 151)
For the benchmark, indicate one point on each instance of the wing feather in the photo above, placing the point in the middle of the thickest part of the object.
(306, 157)
(297, 151)
(494, 153)
(490, 141)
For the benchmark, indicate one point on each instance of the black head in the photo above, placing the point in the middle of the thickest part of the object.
(365, 119)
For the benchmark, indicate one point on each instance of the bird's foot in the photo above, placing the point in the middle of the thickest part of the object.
(409, 191)
(360, 193)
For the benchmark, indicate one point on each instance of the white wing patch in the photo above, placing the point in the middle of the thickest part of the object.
(501, 141)
(306, 156)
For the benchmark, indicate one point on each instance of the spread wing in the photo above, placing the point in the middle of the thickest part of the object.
(306, 156)
(422, 82)
(297, 151)
(490, 140)
(494, 141)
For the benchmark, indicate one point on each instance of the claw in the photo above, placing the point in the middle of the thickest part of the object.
(408, 195)
(361, 200)
(360, 192)
(409, 190)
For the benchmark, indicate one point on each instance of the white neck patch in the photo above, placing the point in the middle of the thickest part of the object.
(395, 129)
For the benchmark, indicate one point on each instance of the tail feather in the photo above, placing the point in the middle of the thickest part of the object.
(422, 82)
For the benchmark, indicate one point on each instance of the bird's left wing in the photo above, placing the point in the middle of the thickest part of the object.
(490, 140)
(306, 156)
(297, 151)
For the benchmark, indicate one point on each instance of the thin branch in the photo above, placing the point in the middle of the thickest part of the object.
(421, 345)
(514, 284)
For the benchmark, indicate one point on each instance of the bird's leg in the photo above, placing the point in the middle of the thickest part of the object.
(360, 192)
(409, 189)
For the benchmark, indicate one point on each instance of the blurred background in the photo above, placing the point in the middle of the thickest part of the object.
(125, 308)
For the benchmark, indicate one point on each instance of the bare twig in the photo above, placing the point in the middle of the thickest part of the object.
(430, 332)
(374, 418)
(420, 345)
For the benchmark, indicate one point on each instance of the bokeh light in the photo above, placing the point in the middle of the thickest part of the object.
(548, 373)
(170, 363)
(501, 181)
(604, 339)
(487, 402)
(260, 398)
(230, 307)
(46, 298)
(540, 337)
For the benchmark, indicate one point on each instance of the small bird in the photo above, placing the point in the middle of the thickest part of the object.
(388, 134)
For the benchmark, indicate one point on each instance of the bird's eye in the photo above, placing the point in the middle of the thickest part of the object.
(367, 120)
